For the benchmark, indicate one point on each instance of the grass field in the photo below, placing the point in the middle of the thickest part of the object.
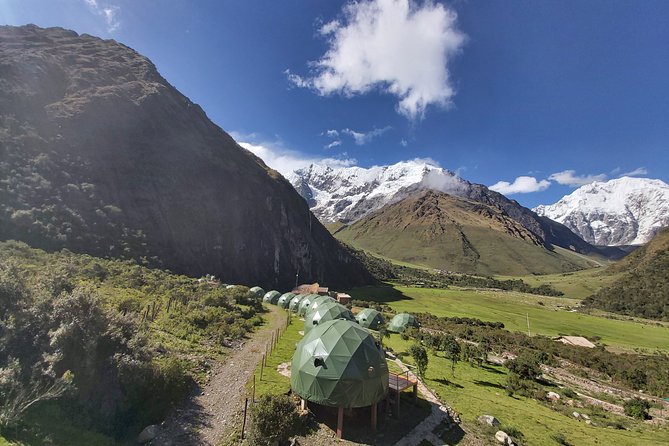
(512, 309)
(474, 391)
(577, 285)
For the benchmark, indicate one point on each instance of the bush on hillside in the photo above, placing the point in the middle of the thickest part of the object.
(274, 418)
(637, 408)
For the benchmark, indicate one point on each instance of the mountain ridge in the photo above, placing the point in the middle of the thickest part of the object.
(349, 193)
(623, 211)
(449, 233)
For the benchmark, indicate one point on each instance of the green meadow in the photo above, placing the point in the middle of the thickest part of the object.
(577, 285)
(548, 316)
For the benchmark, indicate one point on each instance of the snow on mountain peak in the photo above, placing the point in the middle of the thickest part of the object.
(624, 211)
(348, 193)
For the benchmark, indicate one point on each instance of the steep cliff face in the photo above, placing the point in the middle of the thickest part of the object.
(100, 154)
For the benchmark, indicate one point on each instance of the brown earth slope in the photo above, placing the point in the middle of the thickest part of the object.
(100, 154)
(450, 233)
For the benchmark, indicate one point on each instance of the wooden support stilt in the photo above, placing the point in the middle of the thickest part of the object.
(415, 391)
(374, 417)
(340, 422)
(397, 409)
(253, 395)
(304, 404)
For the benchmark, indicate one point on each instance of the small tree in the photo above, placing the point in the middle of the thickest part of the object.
(637, 408)
(274, 419)
(383, 333)
(451, 350)
(419, 355)
(526, 366)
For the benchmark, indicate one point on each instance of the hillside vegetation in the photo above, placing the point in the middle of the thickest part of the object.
(643, 286)
(99, 154)
(454, 234)
(109, 344)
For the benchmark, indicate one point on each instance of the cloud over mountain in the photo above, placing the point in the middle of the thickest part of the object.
(398, 47)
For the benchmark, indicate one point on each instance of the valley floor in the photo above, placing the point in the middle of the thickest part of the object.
(550, 316)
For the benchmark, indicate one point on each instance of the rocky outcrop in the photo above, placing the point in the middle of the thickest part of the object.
(99, 154)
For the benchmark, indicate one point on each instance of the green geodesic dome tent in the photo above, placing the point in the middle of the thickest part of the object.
(259, 292)
(327, 311)
(294, 304)
(317, 301)
(339, 364)
(285, 299)
(271, 297)
(306, 303)
(401, 322)
(370, 318)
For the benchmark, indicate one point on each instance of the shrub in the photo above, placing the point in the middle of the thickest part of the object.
(637, 408)
(419, 355)
(274, 419)
(560, 439)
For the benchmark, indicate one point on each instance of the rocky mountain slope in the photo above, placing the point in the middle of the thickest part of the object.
(455, 234)
(347, 194)
(643, 289)
(100, 154)
(624, 211)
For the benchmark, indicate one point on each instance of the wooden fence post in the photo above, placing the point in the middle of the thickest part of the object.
(262, 366)
(246, 403)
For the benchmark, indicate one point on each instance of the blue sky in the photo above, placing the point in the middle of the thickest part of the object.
(543, 95)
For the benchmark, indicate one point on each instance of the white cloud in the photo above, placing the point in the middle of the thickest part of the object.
(286, 161)
(635, 173)
(362, 138)
(107, 11)
(334, 143)
(569, 178)
(404, 143)
(399, 47)
(332, 133)
(521, 185)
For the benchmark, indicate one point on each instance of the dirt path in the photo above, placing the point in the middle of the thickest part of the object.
(205, 417)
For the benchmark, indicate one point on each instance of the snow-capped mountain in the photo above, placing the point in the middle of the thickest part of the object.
(624, 211)
(349, 193)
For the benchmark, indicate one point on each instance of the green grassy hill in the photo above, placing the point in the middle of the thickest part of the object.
(134, 338)
(642, 284)
(440, 231)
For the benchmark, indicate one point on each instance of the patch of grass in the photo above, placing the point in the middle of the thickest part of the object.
(576, 285)
(272, 381)
(512, 309)
(538, 422)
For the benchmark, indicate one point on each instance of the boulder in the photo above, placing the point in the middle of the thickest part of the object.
(553, 396)
(576, 415)
(503, 438)
(489, 420)
(148, 434)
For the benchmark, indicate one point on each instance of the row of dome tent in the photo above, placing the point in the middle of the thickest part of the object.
(318, 308)
(338, 364)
